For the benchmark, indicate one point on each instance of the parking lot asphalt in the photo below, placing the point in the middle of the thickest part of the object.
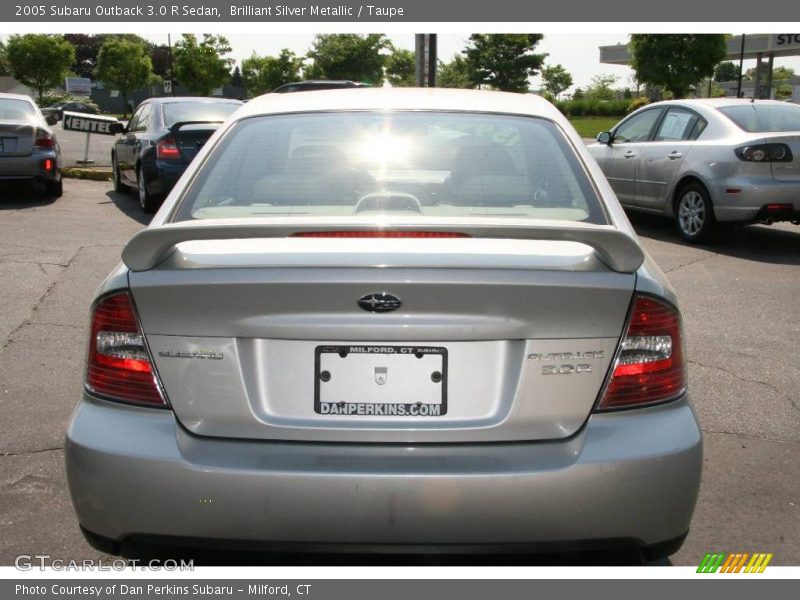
(740, 299)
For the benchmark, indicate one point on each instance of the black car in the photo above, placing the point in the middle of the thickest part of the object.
(318, 84)
(160, 140)
(73, 106)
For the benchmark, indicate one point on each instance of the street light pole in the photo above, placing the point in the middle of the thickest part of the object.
(741, 64)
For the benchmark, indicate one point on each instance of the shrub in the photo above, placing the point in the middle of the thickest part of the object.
(51, 99)
(637, 103)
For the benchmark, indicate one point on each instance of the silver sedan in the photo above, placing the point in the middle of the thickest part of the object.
(405, 319)
(707, 161)
(29, 150)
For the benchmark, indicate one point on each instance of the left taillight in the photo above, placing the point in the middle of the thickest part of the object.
(44, 139)
(650, 366)
(119, 365)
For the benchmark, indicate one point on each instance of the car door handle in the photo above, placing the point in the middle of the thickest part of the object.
(630, 154)
(675, 155)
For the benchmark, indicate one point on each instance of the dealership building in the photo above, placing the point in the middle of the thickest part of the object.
(761, 47)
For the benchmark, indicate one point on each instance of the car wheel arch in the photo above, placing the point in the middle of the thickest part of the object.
(685, 180)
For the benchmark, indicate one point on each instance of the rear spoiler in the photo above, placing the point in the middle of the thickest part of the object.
(175, 127)
(617, 249)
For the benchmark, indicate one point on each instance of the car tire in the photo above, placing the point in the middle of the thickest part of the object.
(694, 214)
(148, 203)
(116, 177)
(54, 189)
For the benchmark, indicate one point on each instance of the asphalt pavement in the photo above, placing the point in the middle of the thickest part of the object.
(740, 299)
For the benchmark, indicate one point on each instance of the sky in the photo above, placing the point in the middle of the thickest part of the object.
(578, 53)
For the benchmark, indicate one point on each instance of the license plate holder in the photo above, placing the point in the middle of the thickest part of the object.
(380, 380)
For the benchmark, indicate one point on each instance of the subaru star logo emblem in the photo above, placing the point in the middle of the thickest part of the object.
(379, 302)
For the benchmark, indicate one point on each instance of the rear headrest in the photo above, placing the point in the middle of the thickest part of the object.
(315, 158)
(482, 159)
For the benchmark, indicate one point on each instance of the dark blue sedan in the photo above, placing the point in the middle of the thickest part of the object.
(160, 140)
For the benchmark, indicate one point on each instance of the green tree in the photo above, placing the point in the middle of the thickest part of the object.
(454, 74)
(503, 61)
(401, 68)
(726, 71)
(87, 47)
(202, 66)
(236, 77)
(40, 61)
(556, 79)
(600, 87)
(124, 65)
(676, 61)
(5, 68)
(349, 56)
(262, 74)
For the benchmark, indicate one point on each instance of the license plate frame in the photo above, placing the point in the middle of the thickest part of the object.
(361, 407)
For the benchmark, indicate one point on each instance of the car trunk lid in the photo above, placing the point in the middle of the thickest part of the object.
(786, 171)
(17, 138)
(493, 339)
(191, 135)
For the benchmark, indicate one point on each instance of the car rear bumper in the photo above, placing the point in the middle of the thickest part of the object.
(632, 475)
(162, 175)
(30, 167)
(746, 199)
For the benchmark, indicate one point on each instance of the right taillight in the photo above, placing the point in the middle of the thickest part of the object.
(44, 139)
(119, 363)
(650, 366)
(765, 153)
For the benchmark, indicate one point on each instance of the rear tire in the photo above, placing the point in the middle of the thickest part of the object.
(694, 214)
(54, 189)
(148, 203)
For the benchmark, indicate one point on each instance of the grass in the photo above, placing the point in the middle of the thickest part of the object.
(589, 127)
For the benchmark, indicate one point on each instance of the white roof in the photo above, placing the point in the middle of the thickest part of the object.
(16, 97)
(440, 99)
(718, 102)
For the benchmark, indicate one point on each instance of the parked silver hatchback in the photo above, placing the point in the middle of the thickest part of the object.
(406, 319)
(707, 161)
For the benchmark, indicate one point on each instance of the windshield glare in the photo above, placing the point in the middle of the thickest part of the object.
(762, 118)
(397, 163)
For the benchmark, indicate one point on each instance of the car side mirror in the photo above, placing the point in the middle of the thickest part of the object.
(51, 119)
(605, 137)
(117, 128)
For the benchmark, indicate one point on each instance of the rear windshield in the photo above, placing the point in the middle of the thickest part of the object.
(16, 109)
(180, 112)
(758, 118)
(399, 163)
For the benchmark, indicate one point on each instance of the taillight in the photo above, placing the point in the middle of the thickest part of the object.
(167, 149)
(380, 234)
(765, 153)
(119, 365)
(650, 367)
(44, 139)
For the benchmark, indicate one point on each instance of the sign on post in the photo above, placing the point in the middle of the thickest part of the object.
(78, 86)
(167, 86)
(89, 124)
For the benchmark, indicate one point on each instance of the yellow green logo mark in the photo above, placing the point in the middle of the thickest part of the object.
(721, 562)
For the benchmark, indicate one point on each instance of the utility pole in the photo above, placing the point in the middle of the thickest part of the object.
(171, 68)
(741, 65)
(425, 59)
